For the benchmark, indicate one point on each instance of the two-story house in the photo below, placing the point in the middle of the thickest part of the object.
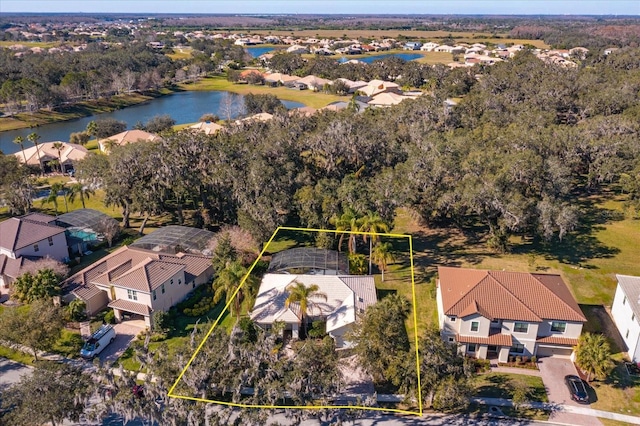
(626, 313)
(135, 282)
(33, 235)
(494, 314)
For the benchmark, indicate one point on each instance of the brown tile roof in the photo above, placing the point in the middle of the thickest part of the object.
(17, 233)
(39, 217)
(11, 267)
(507, 295)
(135, 268)
(553, 340)
(129, 306)
(497, 339)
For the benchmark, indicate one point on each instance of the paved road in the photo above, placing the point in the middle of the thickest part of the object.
(11, 372)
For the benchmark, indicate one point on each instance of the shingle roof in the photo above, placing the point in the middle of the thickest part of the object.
(630, 285)
(17, 233)
(507, 295)
(126, 305)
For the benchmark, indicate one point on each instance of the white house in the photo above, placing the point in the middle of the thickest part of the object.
(494, 314)
(626, 313)
(33, 235)
(347, 298)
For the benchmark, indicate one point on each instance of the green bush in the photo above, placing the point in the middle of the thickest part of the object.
(110, 317)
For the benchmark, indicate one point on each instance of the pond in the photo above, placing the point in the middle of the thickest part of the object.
(183, 107)
(370, 59)
(258, 50)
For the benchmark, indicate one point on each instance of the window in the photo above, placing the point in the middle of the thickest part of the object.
(624, 300)
(626, 336)
(154, 295)
(171, 281)
(517, 348)
(194, 284)
(471, 347)
(50, 239)
(162, 288)
(475, 325)
(451, 340)
(558, 326)
(179, 281)
(521, 327)
(132, 294)
(36, 248)
(452, 319)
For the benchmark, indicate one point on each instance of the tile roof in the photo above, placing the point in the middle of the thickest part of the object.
(507, 295)
(10, 266)
(69, 152)
(554, 340)
(17, 233)
(497, 339)
(39, 217)
(135, 268)
(630, 285)
(129, 306)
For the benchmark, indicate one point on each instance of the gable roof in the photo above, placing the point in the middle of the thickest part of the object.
(346, 295)
(18, 232)
(130, 136)
(136, 269)
(630, 286)
(69, 152)
(517, 296)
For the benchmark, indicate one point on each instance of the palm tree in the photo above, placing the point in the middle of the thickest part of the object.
(382, 255)
(302, 295)
(81, 190)
(59, 146)
(34, 138)
(109, 144)
(53, 196)
(349, 222)
(19, 140)
(372, 223)
(228, 281)
(593, 355)
(92, 130)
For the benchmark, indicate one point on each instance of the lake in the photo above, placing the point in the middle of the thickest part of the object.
(369, 59)
(183, 107)
(258, 51)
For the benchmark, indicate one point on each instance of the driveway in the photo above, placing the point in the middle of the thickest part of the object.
(553, 370)
(126, 331)
(11, 372)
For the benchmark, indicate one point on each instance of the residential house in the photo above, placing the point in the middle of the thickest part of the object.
(33, 235)
(347, 298)
(495, 314)
(354, 86)
(375, 87)
(313, 83)
(387, 99)
(626, 313)
(298, 49)
(412, 45)
(127, 137)
(135, 282)
(45, 153)
(206, 127)
(429, 47)
(280, 78)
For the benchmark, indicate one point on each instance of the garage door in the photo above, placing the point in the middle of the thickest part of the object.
(553, 351)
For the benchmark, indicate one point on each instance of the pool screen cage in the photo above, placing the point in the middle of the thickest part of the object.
(175, 238)
(306, 259)
(84, 219)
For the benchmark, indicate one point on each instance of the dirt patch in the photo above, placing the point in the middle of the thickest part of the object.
(357, 381)
(600, 321)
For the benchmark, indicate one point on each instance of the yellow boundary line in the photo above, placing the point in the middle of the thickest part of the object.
(309, 407)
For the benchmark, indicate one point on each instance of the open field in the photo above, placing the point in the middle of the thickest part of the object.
(467, 37)
(29, 44)
(307, 97)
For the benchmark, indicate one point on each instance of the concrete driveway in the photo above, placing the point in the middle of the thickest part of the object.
(553, 370)
(11, 372)
(126, 331)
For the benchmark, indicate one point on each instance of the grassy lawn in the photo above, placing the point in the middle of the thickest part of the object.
(432, 58)
(500, 385)
(16, 356)
(29, 44)
(480, 410)
(619, 393)
(307, 97)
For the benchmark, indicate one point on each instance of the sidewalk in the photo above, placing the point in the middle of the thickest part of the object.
(562, 407)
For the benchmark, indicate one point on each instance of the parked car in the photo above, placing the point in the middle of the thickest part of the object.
(577, 389)
(98, 341)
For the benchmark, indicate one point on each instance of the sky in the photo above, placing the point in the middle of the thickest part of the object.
(471, 7)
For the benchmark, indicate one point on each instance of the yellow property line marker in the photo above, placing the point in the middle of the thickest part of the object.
(310, 407)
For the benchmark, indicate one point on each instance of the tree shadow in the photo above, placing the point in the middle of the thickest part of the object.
(599, 321)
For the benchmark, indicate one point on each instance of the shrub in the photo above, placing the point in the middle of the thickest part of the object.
(110, 317)
(518, 360)
(534, 359)
(317, 330)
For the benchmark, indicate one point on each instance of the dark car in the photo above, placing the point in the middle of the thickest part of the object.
(577, 389)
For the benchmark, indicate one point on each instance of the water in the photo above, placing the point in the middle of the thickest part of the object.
(183, 107)
(258, 51)
(370, 59)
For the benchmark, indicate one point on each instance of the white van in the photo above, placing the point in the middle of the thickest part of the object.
(98, 341)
